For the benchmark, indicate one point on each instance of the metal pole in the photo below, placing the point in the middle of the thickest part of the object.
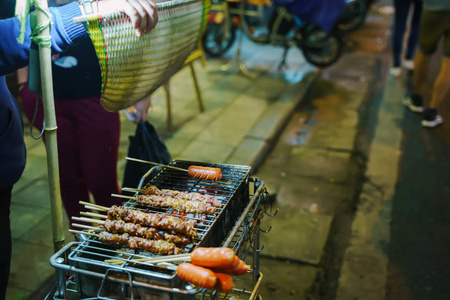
(50, 130)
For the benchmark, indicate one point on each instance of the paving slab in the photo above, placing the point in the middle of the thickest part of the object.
(318, 162)
(284, 279)
(296, 235)
(29, 270)
(312, 195)
(27, 217)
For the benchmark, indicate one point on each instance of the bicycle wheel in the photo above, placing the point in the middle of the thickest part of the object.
(321, 48)
(217, 39)
(255, 23)
(354, 16)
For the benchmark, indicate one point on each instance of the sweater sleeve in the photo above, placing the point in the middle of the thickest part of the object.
(64, 33)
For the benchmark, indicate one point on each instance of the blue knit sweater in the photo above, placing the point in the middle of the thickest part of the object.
(13, 55)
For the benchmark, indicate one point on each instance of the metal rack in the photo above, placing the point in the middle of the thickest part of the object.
(243, 238)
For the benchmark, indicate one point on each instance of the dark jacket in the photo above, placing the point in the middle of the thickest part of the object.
(13, 56)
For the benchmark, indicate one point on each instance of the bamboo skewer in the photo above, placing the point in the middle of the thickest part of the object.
(89, 214)
(88, 220)
(153, 163)
(93, 208)
(83, 232)
(86, 226)
(123, 196)
(155, 260)
(98, 207)
(127, 189)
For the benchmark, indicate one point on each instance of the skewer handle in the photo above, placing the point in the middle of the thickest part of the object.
(123, 196)
(153, 163)
(89, 214)
(99, 207)
(127, 189)
(83, 232)
(88, 220)
(85, 226)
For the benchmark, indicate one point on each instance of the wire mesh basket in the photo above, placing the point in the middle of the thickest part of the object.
(134, 67)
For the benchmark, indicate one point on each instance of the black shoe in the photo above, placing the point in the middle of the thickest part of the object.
(431, 118)
(414, 103)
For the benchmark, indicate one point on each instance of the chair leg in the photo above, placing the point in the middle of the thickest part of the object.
(197, 88)
(169, 110)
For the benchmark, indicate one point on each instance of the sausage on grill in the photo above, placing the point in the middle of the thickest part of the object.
(208, 173)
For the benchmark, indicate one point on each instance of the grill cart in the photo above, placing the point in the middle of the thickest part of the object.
(90, 269)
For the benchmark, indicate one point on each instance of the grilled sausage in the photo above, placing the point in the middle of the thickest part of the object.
(214, 257)
(205, 173)
(197, 275)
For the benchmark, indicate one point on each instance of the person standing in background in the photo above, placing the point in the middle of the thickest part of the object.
(88, 135)
(435, 25)
(13, 55)
(401, 15)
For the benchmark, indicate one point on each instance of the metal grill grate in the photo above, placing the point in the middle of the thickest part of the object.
(93, 274)
(232, 191)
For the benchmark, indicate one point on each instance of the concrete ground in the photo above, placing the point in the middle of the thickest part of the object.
(303, 153)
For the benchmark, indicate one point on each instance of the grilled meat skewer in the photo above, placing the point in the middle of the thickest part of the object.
(160, 247)
(193, 206)
(157, 220)
(153, 190)
(120, 226)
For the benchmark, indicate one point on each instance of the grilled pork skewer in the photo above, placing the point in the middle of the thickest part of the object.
(161, 221)
(153, 190)
(160, 247)
(120, 226)
(193, 206)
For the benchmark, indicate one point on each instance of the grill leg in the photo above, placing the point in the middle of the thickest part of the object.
(61, 291)
(256, 251)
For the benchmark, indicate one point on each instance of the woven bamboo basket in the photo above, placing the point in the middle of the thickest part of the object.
(132, 67)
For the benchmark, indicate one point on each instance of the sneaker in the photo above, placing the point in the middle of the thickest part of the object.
(414, 103)
(408, 64)
(431, 118)
(395, 71)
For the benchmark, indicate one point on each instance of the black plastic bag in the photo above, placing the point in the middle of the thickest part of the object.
(145, 145)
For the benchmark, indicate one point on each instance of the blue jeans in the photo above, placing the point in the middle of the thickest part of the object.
(402, 8)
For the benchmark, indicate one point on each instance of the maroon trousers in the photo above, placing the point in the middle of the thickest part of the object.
(88, 144)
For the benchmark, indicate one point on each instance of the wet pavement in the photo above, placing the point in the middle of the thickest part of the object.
(299, 136)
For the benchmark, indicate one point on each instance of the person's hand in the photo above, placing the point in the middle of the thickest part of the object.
(142, 109)
(143, 13)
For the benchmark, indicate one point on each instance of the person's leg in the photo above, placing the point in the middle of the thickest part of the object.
(99, 133)
(414, 31)
(400, 18)
(73, 187)
(422, 63)
(441, 86)
(431, 117)
(6, 244)
(430, 31)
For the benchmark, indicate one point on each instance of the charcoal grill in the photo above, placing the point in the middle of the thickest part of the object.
(99, 270)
